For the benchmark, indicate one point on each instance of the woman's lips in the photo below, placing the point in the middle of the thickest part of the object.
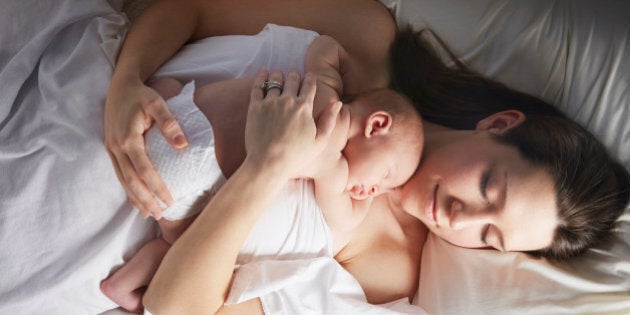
(432, 207)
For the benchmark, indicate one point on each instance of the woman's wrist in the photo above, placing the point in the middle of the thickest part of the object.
(267, 166)
(123, 76)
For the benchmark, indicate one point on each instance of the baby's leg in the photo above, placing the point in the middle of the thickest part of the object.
(126, 286)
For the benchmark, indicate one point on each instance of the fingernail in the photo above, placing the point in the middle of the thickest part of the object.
(180, 141)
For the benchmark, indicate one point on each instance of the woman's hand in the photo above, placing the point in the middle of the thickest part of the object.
(130, 110)
(280, 131)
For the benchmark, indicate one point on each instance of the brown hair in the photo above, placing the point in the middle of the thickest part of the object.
(592, 188)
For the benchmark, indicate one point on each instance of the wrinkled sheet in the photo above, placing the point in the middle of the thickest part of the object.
(64, 219)
(65, 222)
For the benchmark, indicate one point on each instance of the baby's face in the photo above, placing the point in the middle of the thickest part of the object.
(375, 167)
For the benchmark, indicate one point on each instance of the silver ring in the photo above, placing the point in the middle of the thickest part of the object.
(268, 85)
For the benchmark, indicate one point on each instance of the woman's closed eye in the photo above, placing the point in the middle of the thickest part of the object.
(483, 185)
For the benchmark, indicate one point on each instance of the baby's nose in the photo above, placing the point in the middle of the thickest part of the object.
(374, 190)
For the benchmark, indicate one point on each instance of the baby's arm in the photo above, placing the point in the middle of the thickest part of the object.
(325, 57)
(330, 62)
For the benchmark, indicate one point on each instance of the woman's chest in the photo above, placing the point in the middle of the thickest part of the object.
(385, 257)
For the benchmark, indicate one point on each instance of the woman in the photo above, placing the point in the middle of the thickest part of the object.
(447, 198)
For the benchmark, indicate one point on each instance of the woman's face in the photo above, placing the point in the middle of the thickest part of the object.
(476, 193)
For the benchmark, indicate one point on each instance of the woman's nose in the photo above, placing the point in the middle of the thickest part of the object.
(461, 218)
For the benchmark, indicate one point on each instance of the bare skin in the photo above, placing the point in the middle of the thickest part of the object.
(363, 27)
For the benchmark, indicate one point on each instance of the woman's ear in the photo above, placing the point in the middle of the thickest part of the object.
(501, 122)
(378, 123)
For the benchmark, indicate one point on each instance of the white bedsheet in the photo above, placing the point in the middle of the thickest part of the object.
(64, 219)
(65, 222)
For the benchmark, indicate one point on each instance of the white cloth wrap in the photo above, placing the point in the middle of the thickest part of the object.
(188, 172)
(308, 286)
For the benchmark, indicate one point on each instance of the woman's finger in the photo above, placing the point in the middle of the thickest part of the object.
(309, 86)
(326, 123)
(170, 128)
(277, 77)
(113, 157)
(258, 93)
(291, 84)
(148, 174)
(138, 188)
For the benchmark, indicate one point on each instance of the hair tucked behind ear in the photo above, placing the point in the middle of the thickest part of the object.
(592, 189)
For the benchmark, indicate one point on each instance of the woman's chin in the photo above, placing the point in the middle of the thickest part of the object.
(410, 205)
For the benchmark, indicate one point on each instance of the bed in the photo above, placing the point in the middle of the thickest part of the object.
(65, 222)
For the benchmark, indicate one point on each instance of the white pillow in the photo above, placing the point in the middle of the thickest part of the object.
(576, 55)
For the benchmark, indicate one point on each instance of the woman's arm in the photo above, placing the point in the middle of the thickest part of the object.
(280, 137)
(364, 27)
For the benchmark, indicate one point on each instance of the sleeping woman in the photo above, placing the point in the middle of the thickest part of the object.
(500, 169)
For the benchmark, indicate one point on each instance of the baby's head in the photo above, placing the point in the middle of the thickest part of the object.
(385, 150)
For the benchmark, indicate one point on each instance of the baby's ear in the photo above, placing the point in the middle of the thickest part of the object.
(378, 123)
